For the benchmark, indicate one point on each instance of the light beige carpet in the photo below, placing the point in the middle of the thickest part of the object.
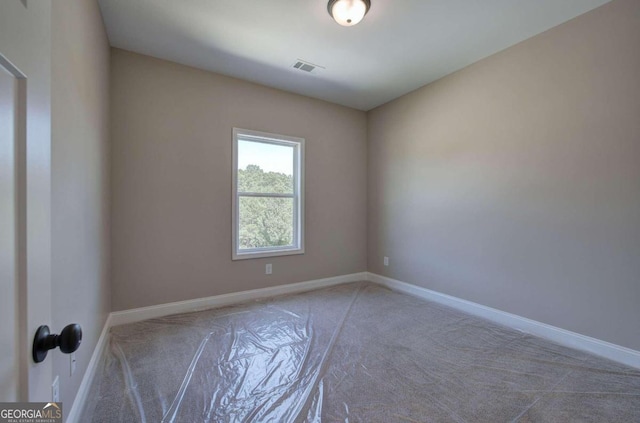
(351, 353)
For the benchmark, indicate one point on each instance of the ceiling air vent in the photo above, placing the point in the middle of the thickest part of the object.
(307, 67)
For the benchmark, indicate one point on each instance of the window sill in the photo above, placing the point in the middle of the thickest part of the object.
(264, 254)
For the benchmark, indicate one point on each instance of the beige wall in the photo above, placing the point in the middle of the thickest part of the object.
(515, 183)
(171, 182)
(80, 138)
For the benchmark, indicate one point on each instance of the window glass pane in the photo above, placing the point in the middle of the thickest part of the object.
(265, 168)
(265, 222)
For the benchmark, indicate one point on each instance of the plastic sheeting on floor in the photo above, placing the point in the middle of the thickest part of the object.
(351, 353)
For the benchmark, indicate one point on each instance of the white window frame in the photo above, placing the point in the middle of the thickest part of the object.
(298, 195)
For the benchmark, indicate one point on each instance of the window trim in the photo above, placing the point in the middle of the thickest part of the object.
(298, 195)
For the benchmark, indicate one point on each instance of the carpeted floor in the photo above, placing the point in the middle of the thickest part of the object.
(351, 353)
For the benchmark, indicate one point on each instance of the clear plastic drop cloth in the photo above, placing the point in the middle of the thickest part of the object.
(350, 353)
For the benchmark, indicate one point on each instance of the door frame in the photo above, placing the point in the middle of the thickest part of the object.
(20, 179)
(25, 46)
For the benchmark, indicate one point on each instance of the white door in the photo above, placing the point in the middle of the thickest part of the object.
(25, 210)
(9, 363)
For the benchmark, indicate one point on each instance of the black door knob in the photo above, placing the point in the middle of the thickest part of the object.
(68, 341)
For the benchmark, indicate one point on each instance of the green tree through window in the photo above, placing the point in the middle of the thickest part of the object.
(265, 221)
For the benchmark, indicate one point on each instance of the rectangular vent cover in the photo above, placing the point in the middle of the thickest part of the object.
(307, 67)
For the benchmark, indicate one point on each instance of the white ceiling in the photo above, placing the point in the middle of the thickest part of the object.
(399, 46)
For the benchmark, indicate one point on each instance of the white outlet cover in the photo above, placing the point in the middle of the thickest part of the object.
(386, 261)
(268, 269)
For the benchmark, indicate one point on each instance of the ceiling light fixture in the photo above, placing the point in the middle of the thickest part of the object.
(348, 12)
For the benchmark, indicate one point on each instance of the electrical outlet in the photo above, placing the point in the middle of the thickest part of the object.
(268, 269)
(72, 360)
(55, 390)
(386, 261)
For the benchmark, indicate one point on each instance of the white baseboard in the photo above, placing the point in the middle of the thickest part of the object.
(144, 313)
(89, 374)
(560, 336)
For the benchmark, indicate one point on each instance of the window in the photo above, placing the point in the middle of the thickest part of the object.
(268, 195)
